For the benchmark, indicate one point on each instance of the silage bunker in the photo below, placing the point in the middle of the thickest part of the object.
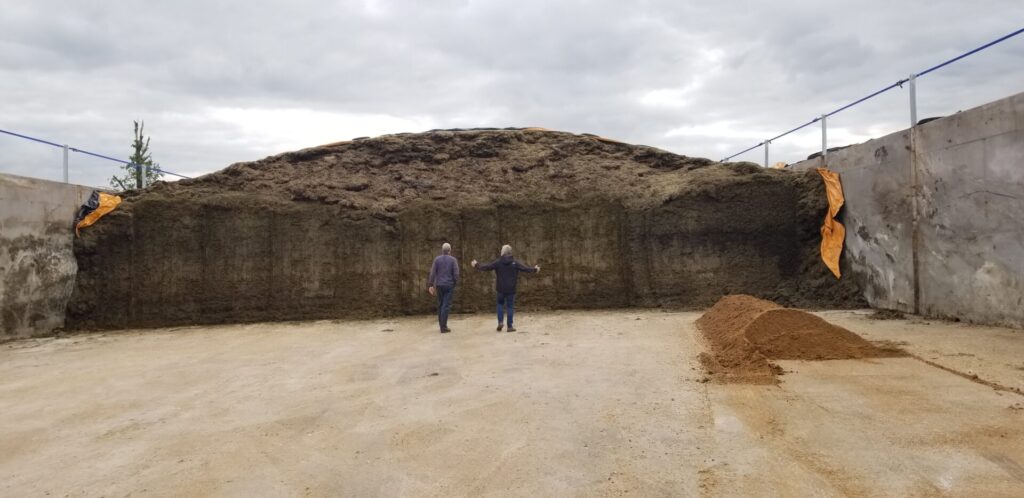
(350, 229)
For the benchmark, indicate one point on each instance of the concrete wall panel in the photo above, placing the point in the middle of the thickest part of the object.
(37, 266)
(971, 206)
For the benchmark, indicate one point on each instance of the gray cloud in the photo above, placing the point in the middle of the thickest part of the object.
(219, 82)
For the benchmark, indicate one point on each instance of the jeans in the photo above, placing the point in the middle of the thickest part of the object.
(444, 304)
(506, 301)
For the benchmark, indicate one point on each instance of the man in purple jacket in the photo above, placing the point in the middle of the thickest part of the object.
(507, 271)
(444, 274)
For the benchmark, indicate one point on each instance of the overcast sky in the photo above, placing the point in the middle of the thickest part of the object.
(219, 82)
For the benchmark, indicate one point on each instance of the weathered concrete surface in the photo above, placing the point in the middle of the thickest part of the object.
(37, 266)
(972, 227)
(985, 351)
(971, 232)
(583, 403)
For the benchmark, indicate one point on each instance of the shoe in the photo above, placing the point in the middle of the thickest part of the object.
(445, 331)
(511, 328)
(499, 328)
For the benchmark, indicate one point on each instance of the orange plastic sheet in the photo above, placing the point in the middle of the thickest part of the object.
(107, 203)
(832, 232)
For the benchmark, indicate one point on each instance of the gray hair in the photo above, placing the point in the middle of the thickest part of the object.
(446, 248)
(506, 250)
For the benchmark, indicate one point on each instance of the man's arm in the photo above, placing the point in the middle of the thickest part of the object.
(456, 270)
(488, 266)
(528, 269)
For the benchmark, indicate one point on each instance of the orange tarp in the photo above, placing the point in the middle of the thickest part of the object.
(832, 232)
(107, 204)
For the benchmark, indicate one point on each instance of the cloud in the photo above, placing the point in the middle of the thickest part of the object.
(280, 129)
(219, 82)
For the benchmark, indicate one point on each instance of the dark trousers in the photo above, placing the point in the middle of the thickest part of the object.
(444, 304)
(506, 301)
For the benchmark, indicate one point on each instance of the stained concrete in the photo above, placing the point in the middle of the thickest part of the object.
(37, 266)
(972, 227)
(602, 403)
(970, 241)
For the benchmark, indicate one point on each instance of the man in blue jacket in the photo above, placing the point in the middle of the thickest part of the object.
(444, 274)
(507, 272)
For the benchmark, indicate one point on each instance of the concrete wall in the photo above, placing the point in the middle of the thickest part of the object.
(970, 203)
(37, 266)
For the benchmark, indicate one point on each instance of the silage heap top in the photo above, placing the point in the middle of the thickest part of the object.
(463, 168)
(347, 229)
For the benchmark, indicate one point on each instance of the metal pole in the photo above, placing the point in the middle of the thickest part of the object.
(766, 143)
(65, 163)
(824, 139)
(915, 188)
(913, 100)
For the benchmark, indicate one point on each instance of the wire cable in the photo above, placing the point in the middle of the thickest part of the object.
(83, 151)
(886, 89)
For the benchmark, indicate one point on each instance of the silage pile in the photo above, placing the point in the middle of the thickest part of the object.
(384, 175)
(347, 230)
(744, 333)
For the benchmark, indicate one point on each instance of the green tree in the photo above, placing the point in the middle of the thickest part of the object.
(132, 175)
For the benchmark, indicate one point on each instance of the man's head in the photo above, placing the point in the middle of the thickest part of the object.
(446, 248)
(506, 250)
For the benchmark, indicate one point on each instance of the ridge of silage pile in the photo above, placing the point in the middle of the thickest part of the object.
(460, 167)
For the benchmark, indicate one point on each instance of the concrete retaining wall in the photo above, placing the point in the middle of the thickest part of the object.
(37, 266)
(970, 204)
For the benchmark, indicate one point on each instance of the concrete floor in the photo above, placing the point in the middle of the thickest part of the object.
(602, 403)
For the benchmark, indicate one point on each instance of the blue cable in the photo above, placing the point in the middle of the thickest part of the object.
(738, 153)
(30, 138)
(809, 123)
(886, 89)
(815, 120)
(979, 49)
(158, 170)
(101, 156)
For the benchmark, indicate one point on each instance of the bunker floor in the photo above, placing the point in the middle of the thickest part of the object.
(574, 403)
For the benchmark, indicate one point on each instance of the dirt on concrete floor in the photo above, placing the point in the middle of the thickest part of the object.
(600, 403)
(744, 333)
(887, 315)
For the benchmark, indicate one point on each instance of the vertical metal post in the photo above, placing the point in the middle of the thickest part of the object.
(824, 139)
(913, 100)
(766, 143)
(915, 193)
(65, 163)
